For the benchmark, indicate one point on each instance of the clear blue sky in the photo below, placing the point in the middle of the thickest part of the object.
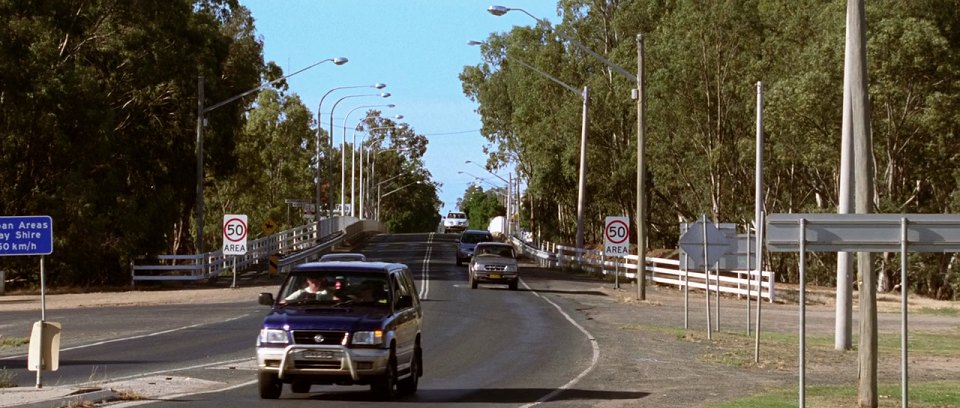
(417, 47)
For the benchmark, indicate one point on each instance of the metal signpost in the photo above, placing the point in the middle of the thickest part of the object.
(234, 238)
(704, 244)
(33, 235)
(862, 233)
(616, 242)
(727, 260)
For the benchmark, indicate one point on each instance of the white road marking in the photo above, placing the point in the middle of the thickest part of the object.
(135, 337)
(425, 274)
(593, 344)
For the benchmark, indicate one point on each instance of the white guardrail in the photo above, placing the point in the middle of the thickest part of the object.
(293, 246)
(659, 270)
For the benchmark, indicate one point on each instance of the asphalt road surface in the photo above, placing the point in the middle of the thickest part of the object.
(489, 346)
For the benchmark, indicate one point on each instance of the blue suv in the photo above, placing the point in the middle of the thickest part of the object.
(342, 323)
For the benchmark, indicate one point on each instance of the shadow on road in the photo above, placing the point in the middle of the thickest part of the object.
(486, 395)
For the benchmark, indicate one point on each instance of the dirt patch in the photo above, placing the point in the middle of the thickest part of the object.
(645, 346)
(133, 298)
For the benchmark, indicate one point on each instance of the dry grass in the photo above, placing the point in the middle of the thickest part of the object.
(7, 378)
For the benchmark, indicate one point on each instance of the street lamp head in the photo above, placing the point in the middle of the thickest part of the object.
(398, 117)
(391, 106)
(473, 43)
(385, 95)
(498, 10)
(467, 162)
(340, 60)
(379, 85)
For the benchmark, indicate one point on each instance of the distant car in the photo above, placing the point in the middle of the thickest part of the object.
(468, 240)
(343, 257)
(454, 222)
(342, 323)
(494, 262)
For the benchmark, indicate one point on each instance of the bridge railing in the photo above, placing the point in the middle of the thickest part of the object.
(295, 245)
(660, 270)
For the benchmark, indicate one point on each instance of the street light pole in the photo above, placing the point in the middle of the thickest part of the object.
(584, 126)
(319, 125)
(362, 188)
(641, 170)
(379, 197)
(585, 95)
(377, 215)
(201, 111)
(353, 149)
(343, 174)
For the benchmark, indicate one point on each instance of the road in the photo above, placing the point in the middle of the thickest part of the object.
(490, 346)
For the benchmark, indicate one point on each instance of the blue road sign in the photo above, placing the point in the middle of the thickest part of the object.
(27, 235)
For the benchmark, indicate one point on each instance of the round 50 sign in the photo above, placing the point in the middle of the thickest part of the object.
(616, 236)
(234, 234)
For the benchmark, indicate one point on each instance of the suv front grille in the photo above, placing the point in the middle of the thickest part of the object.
(494, 268)
(325, 337)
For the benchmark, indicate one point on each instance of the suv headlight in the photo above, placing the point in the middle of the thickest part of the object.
(273, 336)
(368, 338)
(510, 268)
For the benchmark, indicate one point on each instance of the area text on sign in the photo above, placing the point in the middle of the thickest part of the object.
(234, 234)
(616, 236)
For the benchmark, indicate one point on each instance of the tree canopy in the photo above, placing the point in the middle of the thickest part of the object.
(703, 61)
(98, 113)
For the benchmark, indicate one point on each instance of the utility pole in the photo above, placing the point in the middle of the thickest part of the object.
(641, 177)
(843, 328)
(582, 185)
(199, 152)
(863, 161)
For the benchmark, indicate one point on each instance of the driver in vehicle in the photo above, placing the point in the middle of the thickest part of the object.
(316, 288)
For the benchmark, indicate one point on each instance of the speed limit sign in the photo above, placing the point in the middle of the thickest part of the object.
(616, 236)
(234, 234)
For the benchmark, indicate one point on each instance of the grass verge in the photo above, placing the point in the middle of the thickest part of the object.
(13, 341)
(921, 395)
(6, 378)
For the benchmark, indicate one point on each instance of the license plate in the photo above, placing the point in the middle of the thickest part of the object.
(318, 355)
(494, 276)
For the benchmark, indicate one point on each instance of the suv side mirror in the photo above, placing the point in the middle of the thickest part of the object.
(265, 298)
(404, 302)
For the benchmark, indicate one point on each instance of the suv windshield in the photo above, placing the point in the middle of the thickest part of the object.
(333, 288)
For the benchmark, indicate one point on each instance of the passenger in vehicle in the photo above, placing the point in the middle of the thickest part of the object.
(371, 292)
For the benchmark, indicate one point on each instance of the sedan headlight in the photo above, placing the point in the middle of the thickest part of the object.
(273, 336)
(368, 338)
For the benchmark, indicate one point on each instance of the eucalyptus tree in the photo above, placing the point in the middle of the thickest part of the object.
(275, 162)
(98, 102)
(481, 206)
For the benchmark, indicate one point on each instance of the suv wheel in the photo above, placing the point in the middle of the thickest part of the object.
(300, 386)
(473, 282)
(408, 385)
(386, 386)
(513, 285)
(270, 385)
